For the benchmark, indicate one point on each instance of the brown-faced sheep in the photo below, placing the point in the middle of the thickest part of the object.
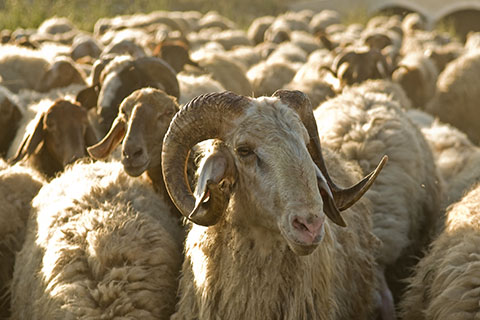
(56, 137)
(445, 284)
(260, 242)
(141, 123)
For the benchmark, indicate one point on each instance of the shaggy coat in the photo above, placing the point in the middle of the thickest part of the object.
(363, 126)
(18, 186)
(445, 284)
(99, 244)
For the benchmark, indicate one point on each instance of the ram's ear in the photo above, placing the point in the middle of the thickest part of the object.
(30, 141)
(214, 185)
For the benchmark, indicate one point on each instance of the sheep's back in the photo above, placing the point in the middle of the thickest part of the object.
(99, 243)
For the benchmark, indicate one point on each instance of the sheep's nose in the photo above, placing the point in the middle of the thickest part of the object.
(309, 228)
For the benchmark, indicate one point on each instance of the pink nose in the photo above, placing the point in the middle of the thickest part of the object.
(309, 229)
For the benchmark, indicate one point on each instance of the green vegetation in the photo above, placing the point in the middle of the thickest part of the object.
(84, 13)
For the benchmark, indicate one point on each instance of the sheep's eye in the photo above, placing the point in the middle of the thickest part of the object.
(244, 151)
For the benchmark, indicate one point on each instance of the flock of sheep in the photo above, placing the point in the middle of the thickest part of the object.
(174, 166)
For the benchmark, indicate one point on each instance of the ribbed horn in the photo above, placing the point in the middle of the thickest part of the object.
(208, 116)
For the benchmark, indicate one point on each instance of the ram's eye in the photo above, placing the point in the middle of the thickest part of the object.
(244, 151)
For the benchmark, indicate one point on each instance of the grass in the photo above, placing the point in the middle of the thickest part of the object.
(84, 13)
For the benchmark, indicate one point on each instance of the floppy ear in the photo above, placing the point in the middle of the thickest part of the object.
(30, 142)
(113, 138)
(215, 181)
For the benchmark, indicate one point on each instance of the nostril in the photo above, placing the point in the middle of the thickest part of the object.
(138, 153)
(299, 225)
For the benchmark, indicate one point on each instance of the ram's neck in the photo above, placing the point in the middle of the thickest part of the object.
(248, 268)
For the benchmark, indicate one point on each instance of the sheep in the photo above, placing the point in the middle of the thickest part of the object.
(417, 74)
(120, 77)
(18, 186)
(363, 126)
(10, 116)
(56, 137)
(355, 65)
(247, 56)
(85, 46)
(445, 284)
(98, 244)
(21, 67)
(175, 52)
(267, 77)
(390, 88)
(256, 30)
(259, 242)
(192, 86)
(61, 73)
(455, 101)
(323, 19)
(231, 38)
(456, 157)
(141, 123)
(225, 70)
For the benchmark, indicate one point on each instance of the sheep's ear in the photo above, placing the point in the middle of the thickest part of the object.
(214, 185)
(88, 97)
(113, 138)
(30, 142)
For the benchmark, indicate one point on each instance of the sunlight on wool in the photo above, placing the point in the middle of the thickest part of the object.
(199, 259)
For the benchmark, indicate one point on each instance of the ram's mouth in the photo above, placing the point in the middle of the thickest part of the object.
(135, 170)
(299, 244)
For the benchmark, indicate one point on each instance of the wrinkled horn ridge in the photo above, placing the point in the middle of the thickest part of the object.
(205, 117)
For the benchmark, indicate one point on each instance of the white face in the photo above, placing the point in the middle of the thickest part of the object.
(278, 174)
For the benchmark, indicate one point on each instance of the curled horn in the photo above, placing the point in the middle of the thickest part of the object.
(207, 116)
(343, 198)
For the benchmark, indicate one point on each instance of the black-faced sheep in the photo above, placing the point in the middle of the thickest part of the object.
(261, 244)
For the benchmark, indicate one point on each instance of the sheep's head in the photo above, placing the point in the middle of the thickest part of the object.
(266, 158)
(143, 119)
(63, 131)
(355, 66)
(61, 73)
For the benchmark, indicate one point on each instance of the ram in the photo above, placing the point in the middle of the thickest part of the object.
(260, 242)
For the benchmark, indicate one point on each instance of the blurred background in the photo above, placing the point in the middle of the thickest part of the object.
(452, 16)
